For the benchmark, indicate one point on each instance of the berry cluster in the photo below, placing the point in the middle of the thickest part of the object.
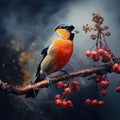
(62, 102)
(102, 53)
(99, 54)
(94, 102)
(102, 83)
(68, 88)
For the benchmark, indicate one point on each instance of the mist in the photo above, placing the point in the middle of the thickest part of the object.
(27, 27)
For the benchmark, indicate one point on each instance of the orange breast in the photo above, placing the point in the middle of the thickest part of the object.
(63, 52)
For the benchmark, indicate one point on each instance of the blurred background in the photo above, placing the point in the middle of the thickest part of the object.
(26, 27)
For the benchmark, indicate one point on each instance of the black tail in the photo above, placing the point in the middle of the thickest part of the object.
(34, 92)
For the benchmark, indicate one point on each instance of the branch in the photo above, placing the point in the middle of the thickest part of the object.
(83, 73)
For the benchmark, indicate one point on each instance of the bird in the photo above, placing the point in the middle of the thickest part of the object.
(56, 55)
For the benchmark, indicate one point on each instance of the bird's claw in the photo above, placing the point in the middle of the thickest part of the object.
(32, 83)
(68, 75)
(49, 81)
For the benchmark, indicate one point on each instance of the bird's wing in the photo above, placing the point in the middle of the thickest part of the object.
(43, 53)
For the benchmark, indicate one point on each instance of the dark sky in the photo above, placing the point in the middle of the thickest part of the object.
(24, 23)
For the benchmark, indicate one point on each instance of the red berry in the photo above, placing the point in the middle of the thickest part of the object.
(115, 66)
(58, 101)
(75, 86)
(57, 96)
(105, 59)
(60, 84)
(75, 83)
(109, 56)
(94, 53)
(104, 83)
(102, 77)
(76, 89)
(94, 102)
(103, 92)
(100, 51)
(105, 53)
(97, 79)
(95, 58)
(69, 103)
(88, 101)
(88, 53)
(64, 103)
(67, 90)
(118, 70)
(100, 102)
(118, 89)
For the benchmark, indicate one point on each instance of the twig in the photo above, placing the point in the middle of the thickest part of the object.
(42, 84)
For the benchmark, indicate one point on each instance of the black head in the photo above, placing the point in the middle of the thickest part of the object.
(67, 27)
(69, 31)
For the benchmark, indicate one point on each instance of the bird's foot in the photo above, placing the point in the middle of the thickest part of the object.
(68, 75)
(34, 89)
(70, 79)
(49, 81)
